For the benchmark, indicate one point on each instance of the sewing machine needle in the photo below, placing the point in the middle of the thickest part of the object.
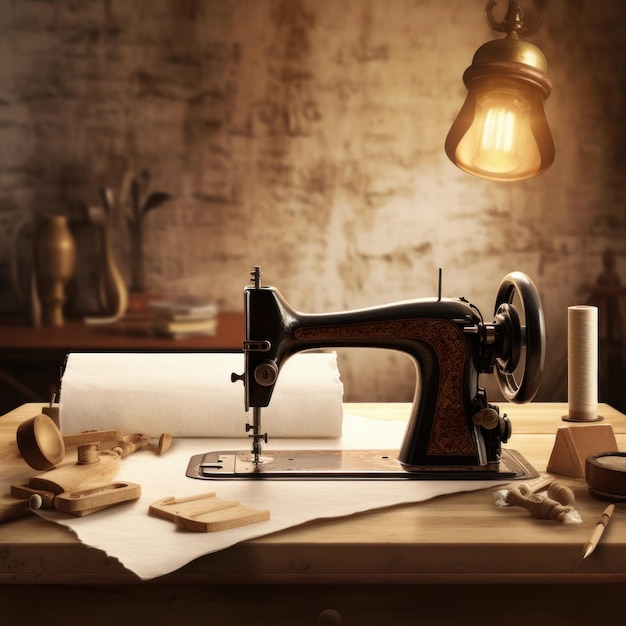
(256, 434)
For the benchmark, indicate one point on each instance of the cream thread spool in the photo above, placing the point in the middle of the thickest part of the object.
(582, 364)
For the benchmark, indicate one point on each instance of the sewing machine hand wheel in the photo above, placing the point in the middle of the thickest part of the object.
(516, 337)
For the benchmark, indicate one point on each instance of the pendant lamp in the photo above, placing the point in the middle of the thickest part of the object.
(501, 132)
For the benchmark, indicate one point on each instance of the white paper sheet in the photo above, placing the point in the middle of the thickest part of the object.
(191, 395)
(152, 547)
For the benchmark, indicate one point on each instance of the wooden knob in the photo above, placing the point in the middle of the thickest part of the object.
(562, 494)
(88, 454)
(35, 502)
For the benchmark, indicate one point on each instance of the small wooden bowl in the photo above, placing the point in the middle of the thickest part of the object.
(605, 474)
(40, 442)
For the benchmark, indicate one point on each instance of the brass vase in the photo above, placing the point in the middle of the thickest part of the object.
(55, 262)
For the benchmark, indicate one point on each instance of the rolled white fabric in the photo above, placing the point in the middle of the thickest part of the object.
(191, 395)
(582, 362)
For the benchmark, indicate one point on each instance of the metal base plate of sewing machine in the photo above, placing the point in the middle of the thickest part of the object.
(345, 465)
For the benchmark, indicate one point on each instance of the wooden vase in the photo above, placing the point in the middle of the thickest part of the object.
(113, 293)
(55, 262)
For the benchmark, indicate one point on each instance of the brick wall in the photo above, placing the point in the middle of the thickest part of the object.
(307, 136)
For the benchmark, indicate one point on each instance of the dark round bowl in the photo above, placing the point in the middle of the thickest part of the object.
(605, 474)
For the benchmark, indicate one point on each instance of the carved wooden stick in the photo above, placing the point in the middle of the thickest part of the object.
(543, 507)
(130, 443)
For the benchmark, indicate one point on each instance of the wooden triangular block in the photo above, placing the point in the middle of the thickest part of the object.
(573, 444)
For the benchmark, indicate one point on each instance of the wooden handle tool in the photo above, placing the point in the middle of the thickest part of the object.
(83, 502)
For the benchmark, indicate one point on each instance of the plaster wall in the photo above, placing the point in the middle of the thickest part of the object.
(306, 136)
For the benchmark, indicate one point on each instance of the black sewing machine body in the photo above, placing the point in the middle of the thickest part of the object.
(440, 335)
(451, 423)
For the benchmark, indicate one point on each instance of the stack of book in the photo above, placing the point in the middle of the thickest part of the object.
(184, 317)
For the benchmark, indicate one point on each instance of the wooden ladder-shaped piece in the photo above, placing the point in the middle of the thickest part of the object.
(206, 513)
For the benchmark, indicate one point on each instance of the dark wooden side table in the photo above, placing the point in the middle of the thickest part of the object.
(31, 359)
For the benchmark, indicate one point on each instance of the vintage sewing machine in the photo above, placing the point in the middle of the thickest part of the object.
(453, 432)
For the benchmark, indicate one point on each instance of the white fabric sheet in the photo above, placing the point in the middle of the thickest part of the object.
(152, 547)
(191, 395)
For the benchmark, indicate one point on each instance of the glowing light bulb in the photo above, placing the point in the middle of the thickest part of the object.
(498, 136)
(502, 123)
(498, 142)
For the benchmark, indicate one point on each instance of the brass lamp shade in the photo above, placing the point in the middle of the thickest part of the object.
(501, 132)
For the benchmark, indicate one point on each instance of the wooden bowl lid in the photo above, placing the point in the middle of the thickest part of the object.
(40, 442)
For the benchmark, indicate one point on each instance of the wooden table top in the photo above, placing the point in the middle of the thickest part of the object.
(451, 539)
